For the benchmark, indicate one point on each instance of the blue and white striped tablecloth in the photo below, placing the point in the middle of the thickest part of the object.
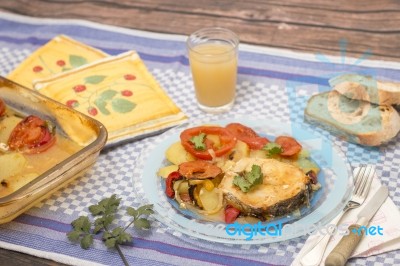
(272, 83)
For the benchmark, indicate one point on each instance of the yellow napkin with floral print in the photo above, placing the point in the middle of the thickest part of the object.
(58, 55)
(119, 92)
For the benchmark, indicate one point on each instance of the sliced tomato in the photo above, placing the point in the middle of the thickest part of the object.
(289, 145)
(247, 135)
(31, 135)
(199, 170)
(2, 108)
(231, 214)
(227, 141)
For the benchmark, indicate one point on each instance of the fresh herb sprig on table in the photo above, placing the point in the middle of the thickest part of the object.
(84, 230)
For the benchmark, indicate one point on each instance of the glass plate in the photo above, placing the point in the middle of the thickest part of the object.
(335, 178)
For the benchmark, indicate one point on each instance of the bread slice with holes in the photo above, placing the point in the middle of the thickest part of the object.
(367, 88)
(355, 120)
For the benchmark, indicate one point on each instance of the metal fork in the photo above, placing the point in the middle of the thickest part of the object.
(363, 180)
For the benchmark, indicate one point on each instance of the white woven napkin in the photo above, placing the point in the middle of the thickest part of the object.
(387, 217)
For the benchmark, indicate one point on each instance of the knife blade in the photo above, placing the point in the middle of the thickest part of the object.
(341, 253)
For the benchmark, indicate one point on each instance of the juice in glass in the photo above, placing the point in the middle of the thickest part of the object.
(214, 76)
(213, 62)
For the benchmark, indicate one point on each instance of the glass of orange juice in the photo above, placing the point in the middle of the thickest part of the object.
(213, 57)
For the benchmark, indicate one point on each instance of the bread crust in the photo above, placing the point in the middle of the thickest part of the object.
(367, 88)
(389, 117)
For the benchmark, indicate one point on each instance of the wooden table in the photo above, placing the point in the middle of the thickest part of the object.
(303, 25)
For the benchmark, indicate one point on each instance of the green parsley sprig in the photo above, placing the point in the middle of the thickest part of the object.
(84, 230)
(272, 149)
(247, 180)
(198, 142)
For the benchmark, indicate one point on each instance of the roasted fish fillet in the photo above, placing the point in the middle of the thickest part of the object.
(284, 189)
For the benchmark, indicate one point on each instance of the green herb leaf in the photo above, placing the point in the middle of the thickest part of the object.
(105, 206)
(145, 210)
(120, 235)
(198, 142)
(141, 223)
(106, 209)
(124, 237)
(108, 219)
(109, 239)
(122, 106)
(77, 61)
(255, 176)
(242, 183)
(86, 241)
(103, 222)
(73, 236)
(248, 180)
(107, 235)
(97, 228)
(273, 148)
(132, 212)
(96, 210)
(110, 243)
(82, 224)
(117, 231)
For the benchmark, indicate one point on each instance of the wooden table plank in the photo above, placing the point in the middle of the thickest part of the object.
(13, 258)
(314, 26)
(303, 25)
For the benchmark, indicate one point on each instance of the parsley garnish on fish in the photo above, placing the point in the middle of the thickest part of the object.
(247, 180)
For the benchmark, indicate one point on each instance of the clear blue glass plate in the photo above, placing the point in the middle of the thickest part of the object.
(335, 179)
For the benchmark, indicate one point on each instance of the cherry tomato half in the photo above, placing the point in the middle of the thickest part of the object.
(31, 135)
(289, 145)
(2, 108)
(227, 140)
(247, 135)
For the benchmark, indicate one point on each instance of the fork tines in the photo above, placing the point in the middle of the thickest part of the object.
(362, 176)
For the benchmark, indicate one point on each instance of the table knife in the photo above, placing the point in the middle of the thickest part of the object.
(341, 253)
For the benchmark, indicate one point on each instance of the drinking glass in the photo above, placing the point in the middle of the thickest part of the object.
(213, 57)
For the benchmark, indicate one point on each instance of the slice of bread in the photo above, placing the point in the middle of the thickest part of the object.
(357, 121)
(367, 88)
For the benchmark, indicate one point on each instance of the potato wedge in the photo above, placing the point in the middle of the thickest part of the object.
(215, 140)
(13, 183)
(165, 171)
(20, 181)
(11, 164)
(258, 154)
(176, 154)
(241, 150)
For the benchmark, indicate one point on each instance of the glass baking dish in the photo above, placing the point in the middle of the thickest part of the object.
(89, 134)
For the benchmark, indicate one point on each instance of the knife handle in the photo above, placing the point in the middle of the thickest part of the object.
(341, 253)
